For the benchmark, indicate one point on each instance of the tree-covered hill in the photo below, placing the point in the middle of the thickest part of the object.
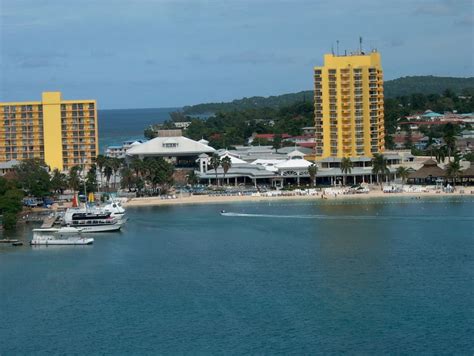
(393, 88)
(426, 85)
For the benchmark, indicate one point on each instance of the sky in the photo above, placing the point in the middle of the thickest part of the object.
(163, 53)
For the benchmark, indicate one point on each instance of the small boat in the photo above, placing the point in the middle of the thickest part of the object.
(18, 243)
(62, 231)
(7, 241)
(59, 236)
(49, 240)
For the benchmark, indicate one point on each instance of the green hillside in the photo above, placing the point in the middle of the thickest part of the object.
(393, 88)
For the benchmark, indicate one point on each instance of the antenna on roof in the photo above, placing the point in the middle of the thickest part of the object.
(332, 49)
(360, 44)
(337, 47)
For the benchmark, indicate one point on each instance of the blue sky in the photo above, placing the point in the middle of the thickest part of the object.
(157, 53)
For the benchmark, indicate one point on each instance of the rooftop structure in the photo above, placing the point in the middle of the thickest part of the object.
(177, 146)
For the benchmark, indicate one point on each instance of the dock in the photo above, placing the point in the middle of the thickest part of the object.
(49, 221)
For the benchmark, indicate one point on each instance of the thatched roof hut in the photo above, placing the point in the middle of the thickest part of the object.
(430, 170)
(468, 172)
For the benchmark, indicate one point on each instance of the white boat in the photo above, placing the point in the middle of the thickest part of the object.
(115, 209)
(91, 220)
(61, 236)
(45, 239)
(62, 231)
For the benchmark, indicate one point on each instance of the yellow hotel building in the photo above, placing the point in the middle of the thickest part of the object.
(63, 133)
(348, 106)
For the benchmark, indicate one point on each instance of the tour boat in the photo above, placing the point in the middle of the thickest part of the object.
(91, 221)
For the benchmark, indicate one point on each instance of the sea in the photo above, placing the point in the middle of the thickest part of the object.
(119, 125)
(372, 276)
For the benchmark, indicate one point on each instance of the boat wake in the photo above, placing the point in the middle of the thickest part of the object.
(349, 217)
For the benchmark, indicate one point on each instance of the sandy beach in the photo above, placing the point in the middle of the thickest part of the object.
(209, 199)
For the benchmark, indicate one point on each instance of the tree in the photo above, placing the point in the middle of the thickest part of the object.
(100, 162)
(192, 178)
(313, 171)
(91, 179)
(10, 202)
(277, 141)
(115, 164)
(158, 173)
(453, 170)
(59, 181)
(379, 167)
(215, 162)
(403, 173)
(74, 180)
(346, 167)
(128, 179)
(226, 163)
(108, 171)
(449, 137)
(440, 154)
(32, 174)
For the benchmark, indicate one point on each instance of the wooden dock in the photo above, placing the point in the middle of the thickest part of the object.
(49, 221)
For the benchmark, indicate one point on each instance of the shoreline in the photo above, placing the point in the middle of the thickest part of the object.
(206, 199)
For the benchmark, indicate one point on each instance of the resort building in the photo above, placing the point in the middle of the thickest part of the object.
(348, 106)
(63, 133)
(119, 151)
(179, 150)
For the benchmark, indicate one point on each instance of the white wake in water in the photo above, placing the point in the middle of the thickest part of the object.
(348, 217)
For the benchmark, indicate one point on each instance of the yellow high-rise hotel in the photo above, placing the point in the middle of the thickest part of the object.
(348, 106)
(63, 133)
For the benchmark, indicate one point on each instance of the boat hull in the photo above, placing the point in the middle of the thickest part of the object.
(56, 242)
(100, 228)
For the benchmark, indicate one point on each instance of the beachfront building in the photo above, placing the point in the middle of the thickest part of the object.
(63, 133)
(348, 106)
(429, 173)
(179, 150)
(119, 151)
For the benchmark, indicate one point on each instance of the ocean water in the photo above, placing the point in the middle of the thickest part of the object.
(370, 277)
(116, 126)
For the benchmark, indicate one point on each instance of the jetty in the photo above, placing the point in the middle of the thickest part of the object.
(7, 241)
(49, 221)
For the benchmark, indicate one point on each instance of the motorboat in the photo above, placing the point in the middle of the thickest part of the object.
(61, 231)
(91, 220)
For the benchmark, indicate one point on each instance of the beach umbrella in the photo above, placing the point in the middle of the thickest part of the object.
(91, 197)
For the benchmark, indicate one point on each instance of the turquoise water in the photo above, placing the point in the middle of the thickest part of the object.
(116, 126)
(371, 277)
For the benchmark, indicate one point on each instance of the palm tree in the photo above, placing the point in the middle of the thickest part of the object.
(379, 167)
(74, 181)
(226, 163)
(453, 170)
(403, 173)
(108, 171)
(346, 167)
(215, 162)
(313, 171)
(449, 139)
(115, 164)
(128, 178)
(100, 162)
(440, 154)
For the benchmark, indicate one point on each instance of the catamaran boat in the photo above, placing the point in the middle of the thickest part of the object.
(59, 236)
(91, 221)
